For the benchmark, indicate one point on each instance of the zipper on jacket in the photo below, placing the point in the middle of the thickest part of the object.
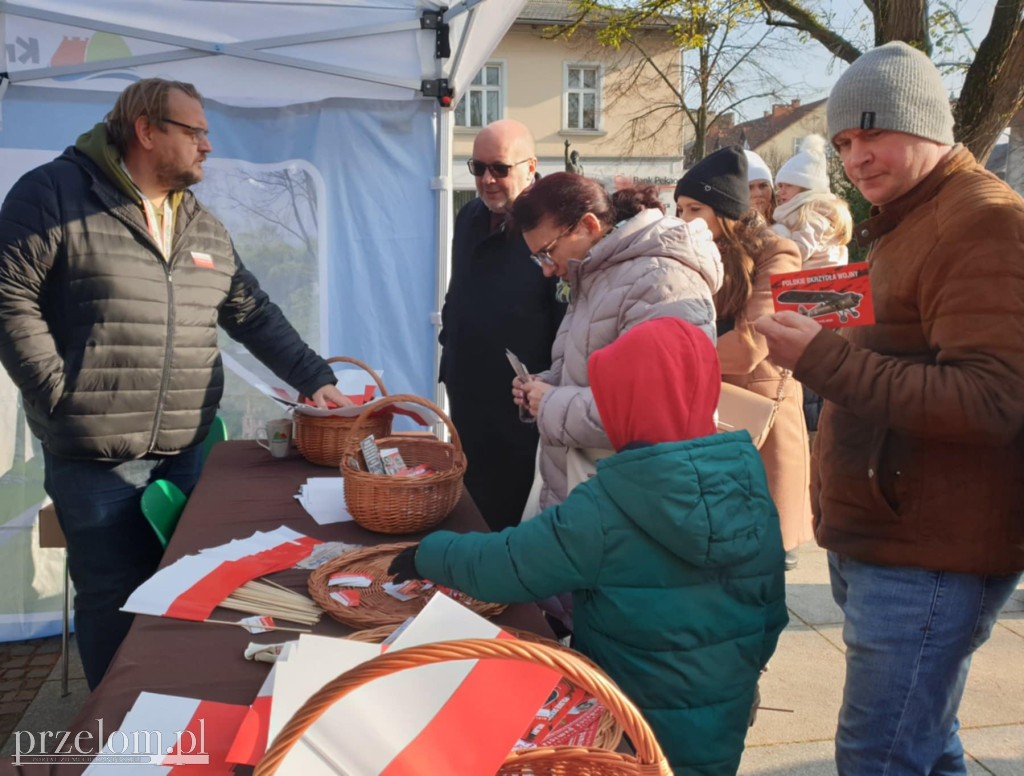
(165, 377)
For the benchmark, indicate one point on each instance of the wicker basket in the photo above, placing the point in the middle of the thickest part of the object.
(398, 505)
(609, 733)
(323, 440)
(545, 761)
(375, 606)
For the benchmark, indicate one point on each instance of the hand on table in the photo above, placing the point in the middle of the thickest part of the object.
(788, 334)
(330, 393)
(403, 567)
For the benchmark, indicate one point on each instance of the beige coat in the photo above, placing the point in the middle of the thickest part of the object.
(744, 357)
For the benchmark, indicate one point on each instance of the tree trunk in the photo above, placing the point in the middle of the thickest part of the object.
(994, 86)
(905, 20)
(982, 114)
(700, 129)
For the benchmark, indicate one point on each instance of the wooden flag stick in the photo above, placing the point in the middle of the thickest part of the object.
(250, 625)
(278, 585)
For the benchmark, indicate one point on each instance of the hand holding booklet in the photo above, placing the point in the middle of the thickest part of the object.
(523, 374)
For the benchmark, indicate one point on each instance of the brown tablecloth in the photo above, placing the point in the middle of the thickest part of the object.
(241, 490)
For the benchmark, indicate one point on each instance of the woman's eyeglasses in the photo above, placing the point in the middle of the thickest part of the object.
(498, 169)
(543, 257)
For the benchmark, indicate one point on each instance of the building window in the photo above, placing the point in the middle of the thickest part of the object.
(582, 96)
(482, 103)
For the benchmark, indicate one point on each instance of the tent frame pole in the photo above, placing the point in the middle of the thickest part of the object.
(252, 50)
(442, 184)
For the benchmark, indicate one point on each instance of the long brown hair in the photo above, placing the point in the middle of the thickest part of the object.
(741, 242)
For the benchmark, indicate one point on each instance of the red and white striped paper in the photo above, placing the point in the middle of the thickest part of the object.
(180, 736)
(461, 717)
(192, 587)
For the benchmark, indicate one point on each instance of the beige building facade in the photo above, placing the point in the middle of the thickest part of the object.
(577, 91)
(777, 135)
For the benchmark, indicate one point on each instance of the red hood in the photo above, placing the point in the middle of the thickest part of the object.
(658, 382)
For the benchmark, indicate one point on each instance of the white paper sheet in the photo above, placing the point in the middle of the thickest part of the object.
(324, 499)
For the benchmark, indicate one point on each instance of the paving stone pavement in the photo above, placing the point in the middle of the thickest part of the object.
(24, 668)
(806, 677)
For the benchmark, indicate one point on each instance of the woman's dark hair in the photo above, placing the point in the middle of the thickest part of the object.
(566, 197)
(742, 241)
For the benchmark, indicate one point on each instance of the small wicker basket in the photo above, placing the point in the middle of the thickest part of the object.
(395, 504)
(376, 607)
(544, 761)
(609, 733)
(323, 440)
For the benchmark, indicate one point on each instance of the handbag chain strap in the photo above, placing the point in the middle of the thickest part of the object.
(786, 374)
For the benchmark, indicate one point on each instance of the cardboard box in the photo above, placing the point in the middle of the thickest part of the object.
(50, 534)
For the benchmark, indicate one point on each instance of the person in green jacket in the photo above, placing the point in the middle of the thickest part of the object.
(672, 551)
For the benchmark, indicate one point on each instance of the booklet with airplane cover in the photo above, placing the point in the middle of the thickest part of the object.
(835, 297)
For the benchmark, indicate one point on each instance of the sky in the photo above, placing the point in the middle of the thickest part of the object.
(816, 70)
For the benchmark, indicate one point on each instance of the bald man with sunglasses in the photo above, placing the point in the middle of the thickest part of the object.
(497, 299)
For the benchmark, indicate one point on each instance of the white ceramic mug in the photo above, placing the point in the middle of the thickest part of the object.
(275, 436)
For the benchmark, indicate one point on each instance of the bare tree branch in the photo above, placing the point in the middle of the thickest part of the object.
(804, 21)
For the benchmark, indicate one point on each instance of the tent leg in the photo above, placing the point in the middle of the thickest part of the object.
(442, 184)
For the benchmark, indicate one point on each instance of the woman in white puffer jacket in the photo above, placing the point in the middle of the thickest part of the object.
(620, 261)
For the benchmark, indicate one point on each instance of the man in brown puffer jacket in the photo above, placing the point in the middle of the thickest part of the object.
(113, 280)
(918, 467)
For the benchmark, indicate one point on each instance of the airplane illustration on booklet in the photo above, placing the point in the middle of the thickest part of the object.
(815, 304)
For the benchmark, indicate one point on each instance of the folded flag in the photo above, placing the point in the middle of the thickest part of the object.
(250, 742)
(461, 717)
(193, 586)
(182, 736)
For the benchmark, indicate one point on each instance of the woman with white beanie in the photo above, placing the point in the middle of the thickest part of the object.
(808, 212)
(762, 190)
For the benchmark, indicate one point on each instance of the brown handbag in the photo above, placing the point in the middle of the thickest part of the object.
(739, 409)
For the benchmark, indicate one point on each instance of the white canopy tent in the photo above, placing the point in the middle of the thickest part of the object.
(331, 169)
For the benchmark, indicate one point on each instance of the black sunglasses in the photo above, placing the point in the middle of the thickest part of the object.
(498, 169)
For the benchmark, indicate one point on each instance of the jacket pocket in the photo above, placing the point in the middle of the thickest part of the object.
(890, 474)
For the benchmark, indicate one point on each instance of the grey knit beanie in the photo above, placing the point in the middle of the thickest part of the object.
(892, 87)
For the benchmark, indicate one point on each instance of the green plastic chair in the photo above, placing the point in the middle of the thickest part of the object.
(162, 500)
(218, 433)
(162, 504)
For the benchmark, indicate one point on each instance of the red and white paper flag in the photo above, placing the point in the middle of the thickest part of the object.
(250, 742)
(461, 717)
(180, 736)
(193, 586)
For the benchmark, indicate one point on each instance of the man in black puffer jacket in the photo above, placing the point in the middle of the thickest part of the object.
(113, 279)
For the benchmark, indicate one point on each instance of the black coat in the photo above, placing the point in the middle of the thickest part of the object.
(497, 299)
(113, 348)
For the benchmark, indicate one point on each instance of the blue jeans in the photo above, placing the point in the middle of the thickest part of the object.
(909, 635)
(111, 547)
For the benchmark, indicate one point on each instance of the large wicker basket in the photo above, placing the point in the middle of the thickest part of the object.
(544, 761)
(323, 440)
(395, 504)
(609, 733)
(376, 607)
